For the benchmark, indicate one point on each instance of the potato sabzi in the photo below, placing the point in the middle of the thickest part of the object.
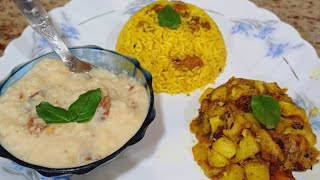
(234, 145)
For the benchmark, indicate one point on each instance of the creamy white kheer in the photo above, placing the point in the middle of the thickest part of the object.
(119, 115)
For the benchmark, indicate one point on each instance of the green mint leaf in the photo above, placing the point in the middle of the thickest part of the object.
(84, 108)
(266, 110)
(168, 17)
(52, 114)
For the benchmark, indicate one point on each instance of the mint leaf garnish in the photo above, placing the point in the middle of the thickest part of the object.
(82, 110)
(168, 17)
(52, 114)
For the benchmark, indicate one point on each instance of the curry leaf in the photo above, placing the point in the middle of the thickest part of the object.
(266, 110)
(52, 114)
(168, 17)
(84, 108)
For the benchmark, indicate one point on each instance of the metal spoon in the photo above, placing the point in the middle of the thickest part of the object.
(40, 21)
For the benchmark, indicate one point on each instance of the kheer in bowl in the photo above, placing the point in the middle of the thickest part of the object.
(59, 122)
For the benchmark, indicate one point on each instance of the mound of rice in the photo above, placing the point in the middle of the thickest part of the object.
(161, 50)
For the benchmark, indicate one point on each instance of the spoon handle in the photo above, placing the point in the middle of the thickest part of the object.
(40, 21)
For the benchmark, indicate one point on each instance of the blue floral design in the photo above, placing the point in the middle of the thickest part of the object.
(69, 31)
(241, 28)
(56, 178)
(315, 122)
(18, 167)
(299, 101)
(308, 107)
(264, 31)
(31, 174)
(253, 28)
(44, 43)
(275, 50)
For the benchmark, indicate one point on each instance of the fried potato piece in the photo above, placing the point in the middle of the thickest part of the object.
(255, 125)
(248, 147)
(236, 126)
(219, 93)
(209, 171)
(215, 122)
(200, 152)
(217, 160)
(233, 172)
(200, 126)
(225, 146)
(270, 151)
(288, 109)
(205, 94)
(257, 170)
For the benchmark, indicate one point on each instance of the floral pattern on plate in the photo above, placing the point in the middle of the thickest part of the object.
(263, 31)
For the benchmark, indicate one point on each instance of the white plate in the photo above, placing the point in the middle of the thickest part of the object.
(259, 46)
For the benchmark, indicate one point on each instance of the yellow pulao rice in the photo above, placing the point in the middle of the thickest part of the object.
(155, 47)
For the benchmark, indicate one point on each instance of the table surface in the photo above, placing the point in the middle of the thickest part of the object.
(303, 15)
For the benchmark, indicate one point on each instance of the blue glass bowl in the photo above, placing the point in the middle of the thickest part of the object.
(107, 59)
